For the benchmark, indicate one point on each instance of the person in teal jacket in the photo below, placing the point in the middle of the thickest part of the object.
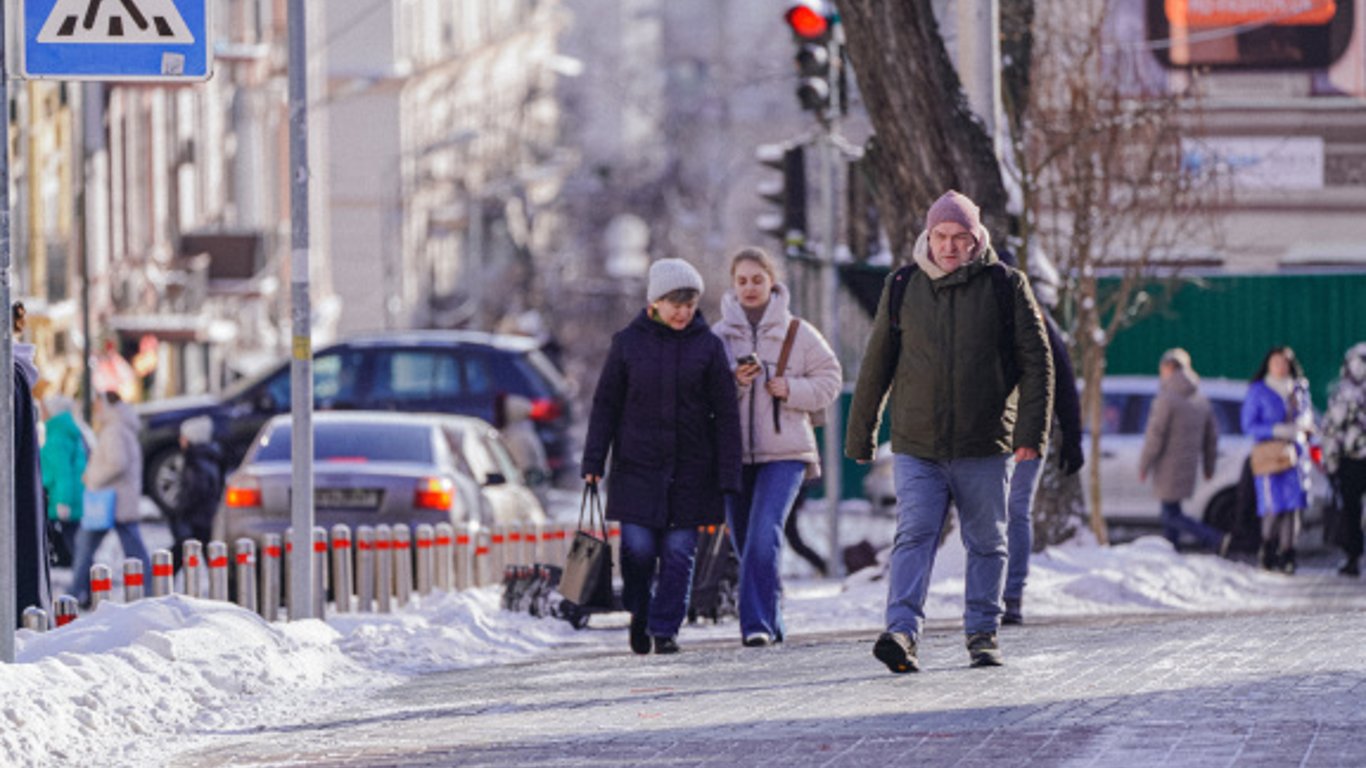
(63, 458)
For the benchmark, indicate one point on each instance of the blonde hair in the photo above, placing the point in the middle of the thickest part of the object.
(758, 256)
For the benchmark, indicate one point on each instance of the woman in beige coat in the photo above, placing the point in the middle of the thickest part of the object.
(115, 463)
(778, 393)
(1181, 432)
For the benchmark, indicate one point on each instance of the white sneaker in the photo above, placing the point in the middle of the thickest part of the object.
(758, 640)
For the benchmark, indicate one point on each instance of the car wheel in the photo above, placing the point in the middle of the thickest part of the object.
(164, 471)
(1222, 513)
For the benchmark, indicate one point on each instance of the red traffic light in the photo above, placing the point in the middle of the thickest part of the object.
(807, 23)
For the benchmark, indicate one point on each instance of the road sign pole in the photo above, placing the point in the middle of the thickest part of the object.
(301, 367)
(9, 610)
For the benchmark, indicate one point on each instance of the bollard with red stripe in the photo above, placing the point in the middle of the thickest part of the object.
(443, 560)
(245, 550)
(403, 565)
(462, 551)
(271, 553)
(365, 568)
(64, 611)
(342, 582)
(498, 552)
(614, 544)
(35, 619)
(192, 567)
(537, 540)
(422, 542)
(218, 570)
(134, 579)
(514, 549)
(483, 556)
(163, 573)
(320, 571)
(384, 568)
(101, 585)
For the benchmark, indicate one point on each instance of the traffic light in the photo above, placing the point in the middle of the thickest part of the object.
(788, 194)
(811, 31)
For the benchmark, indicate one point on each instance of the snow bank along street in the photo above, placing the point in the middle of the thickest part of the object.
(140, 683)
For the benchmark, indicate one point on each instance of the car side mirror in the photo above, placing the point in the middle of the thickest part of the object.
(495, 478)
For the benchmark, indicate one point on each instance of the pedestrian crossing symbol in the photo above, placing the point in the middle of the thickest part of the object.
(115, 21)
(116, 39)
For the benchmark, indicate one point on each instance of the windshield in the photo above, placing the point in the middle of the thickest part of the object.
(351, 441)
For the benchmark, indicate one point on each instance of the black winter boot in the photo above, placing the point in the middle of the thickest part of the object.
(1012, 614)
(1350, 568)
(640, 637)
(1266, 556)
(1288, 561)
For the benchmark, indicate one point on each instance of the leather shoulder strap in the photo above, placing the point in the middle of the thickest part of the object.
(786, 351)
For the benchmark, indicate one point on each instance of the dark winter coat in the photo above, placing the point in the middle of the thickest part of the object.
(665, 407)
(1066, 403)
(30, 519)
(949, 395)
(201, 486)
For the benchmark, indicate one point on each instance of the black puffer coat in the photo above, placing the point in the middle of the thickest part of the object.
(665, 407)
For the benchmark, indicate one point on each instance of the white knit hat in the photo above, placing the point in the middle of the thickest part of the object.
(669, 275)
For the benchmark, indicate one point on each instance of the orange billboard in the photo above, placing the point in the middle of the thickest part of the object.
(1229, 13)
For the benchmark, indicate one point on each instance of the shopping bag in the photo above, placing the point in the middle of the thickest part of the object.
(97, 509)
(587, 577)
(1271, 457)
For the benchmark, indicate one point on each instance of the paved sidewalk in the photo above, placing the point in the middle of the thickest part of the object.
(1280, 689)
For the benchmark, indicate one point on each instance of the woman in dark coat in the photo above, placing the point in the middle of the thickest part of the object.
(665, 407)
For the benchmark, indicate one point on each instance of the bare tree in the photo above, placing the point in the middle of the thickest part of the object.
(1099, 159)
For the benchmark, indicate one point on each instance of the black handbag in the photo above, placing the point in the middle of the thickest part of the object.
(587, 577)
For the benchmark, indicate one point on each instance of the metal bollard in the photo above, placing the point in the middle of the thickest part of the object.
(342, 583)
(35, 618)
(65, 610)
(482, 571)
(320, 569)
(463, 553)
(365, 568)
(270, 576)
(192, 567)
(565, 538)
(163, 573)
(403, 564)
(133, 580)
(384, 567)
(424, 536)
(536, 539)
(246, 573)
(218, 571)
(498, 539)
(513, 549)
(614, 545)
(101, 584)
(442, 552)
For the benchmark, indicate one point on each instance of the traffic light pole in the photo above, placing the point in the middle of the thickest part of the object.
(9, 609)
(830, 286)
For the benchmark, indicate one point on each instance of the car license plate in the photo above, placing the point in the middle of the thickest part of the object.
(346, 498)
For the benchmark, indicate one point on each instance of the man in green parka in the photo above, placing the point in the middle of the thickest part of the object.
(971, 379)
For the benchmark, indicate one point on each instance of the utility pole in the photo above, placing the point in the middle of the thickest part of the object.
(9, 610)
(301, 366)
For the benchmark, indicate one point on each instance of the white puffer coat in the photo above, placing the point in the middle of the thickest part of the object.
(813, 378)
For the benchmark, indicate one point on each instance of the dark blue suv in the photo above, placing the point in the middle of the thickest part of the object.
(459, 372)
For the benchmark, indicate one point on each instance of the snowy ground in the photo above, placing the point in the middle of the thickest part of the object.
(134, 684)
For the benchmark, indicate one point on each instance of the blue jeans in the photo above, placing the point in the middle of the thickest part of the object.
(923, 491)
(130, 538)
(1024, 481)
(1175, 523)
(756, 520)
(663, 600)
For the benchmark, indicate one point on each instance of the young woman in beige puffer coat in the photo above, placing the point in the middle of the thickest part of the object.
(778, 444)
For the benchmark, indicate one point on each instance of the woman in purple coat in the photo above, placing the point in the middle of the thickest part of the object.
(665, 407)
(1277, 407)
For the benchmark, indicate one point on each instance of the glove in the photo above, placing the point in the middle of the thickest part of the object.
(1070, 458)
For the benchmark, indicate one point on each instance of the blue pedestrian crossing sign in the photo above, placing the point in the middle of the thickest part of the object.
(116, 39)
